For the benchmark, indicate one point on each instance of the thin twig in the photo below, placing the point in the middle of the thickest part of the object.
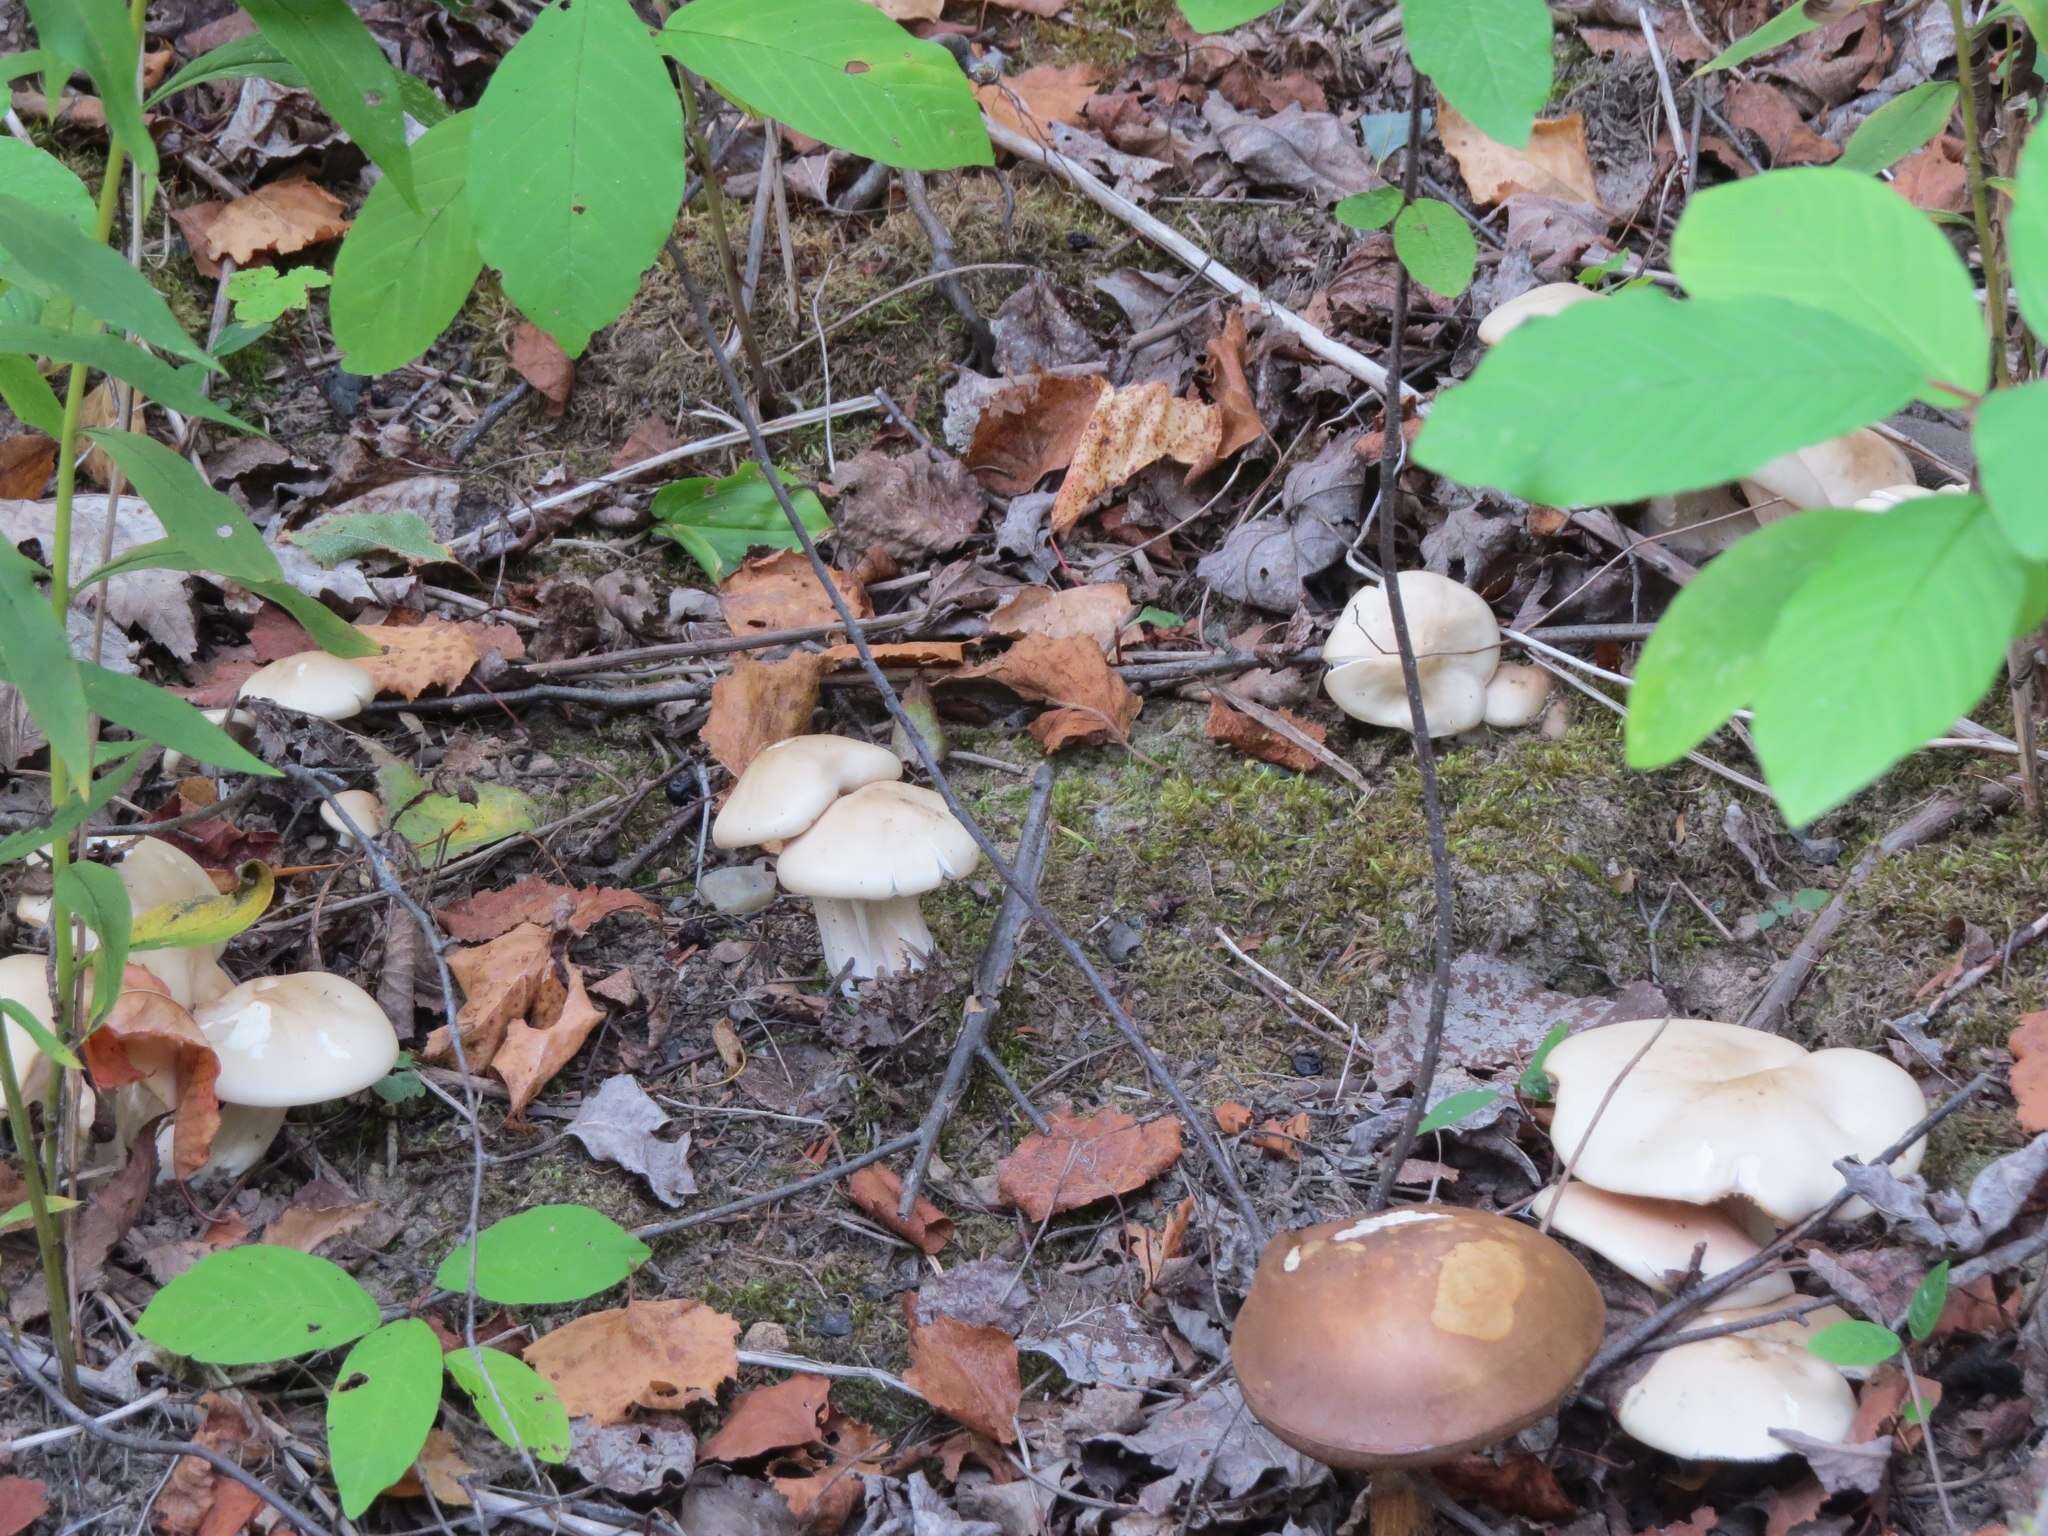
(831, 1174)
(981, 341)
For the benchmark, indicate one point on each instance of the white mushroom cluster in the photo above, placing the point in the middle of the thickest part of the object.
(861, 844)
(1686, 1135)
(1457, 658)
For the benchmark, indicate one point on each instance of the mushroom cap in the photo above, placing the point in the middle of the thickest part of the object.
(1837, 473)
(297, 1039)
(313, 683)
(1412, 1336)
(1698, 524)
(788, 785)
(1719, 1399)
(1650, 1239)
(25, 980)
(364, 809)
(1516, 695)
(1884, 498)
(882, 841)
(1716, 1110)
(1547, 299)
(1457, 650)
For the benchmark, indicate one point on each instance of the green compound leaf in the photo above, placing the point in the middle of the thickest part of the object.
(1490, 58)
(548, 1253)
(838, 70)
(384, 1402)
(720, 520)
(1369, 210)
(403, 272)
(514, 1401)
(1436, 245)
(1222, 15)
(1848, 244)
(1854, 1343)
(2010, 434)
(47, 252)
(1899, 630)
(1907, 122)
(254, 1305)
(576, 166)
(347, 71)
(1456, 1107)
(158, 380)
(1640, 395)
(1930, 1296)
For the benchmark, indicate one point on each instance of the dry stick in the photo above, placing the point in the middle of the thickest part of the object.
(981, 340)
(830, 1174)
(990, 975)
(924, 281)
(1391, 444)
(1789, 1314)
(1197, 1126)
(679, 650)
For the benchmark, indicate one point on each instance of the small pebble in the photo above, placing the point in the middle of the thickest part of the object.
(540, 762)
(738, 889)
(617, 517)
(835, 1324)
(1308, 1063)
(767, 1339)
(682, 789)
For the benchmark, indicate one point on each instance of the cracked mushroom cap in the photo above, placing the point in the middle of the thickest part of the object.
(313, 683)
(1837, 473)
(1457, 651)
(882, 841)
(788, 785)
(1653, 1239)
(1547, 299)
(1719, 1399)
(1412, 1336)
(1714, 1111)
(298, 1039)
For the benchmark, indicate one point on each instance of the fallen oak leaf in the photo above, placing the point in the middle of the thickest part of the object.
(771, 1418)
(1241, 423)
(649, 1354)
(27, 460)
(968, 1372)
(439, 1468)
(1240, 732)
(1232, 1117)
(878, 1192)
(1092, 704)
(488, 914)
(1129, 429)
(822, 1490)
(276, 220)
(22, 1502)
(759, 703)
(1086, 1158)
(1096, 612)
(500, 982)
(1031, 428)
(902, 653)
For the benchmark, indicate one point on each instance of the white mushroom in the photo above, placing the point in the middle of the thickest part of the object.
(155, 874)
(1699, 524)
(298, 1039)
(24, 979)
(363, 808)
(1516, 695)
(1715, 1111)
(1547, 299)
(245, 1134)
(788, 785)
(1886, 497)
(865, 862)
(1652, 1240)
(1837, 473)
(313, 683)
(1457, 650)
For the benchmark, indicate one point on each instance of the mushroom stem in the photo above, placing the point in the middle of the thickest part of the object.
(1397, 1508)
(877, 938)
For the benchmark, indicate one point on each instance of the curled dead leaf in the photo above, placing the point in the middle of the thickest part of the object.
(1031, 428)
(539, 359)
(878, 1191)
(968, 1372)
(759, 703)
(148, 1038)
(276, 220)
(1555, 163)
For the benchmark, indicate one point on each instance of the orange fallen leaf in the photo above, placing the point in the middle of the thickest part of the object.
(1030, 102)
(415, 657)
(878, 1191)
(1283, 1138)
(2029, 1046)
(1150, 1250)
(1031, 428)
(276, 220)
(1934, 179)
(823, 1486)
(1555, 163)
(488, 914)
(198, 1501)
(500, 982)
(651, 437)
(1762, 109)
(539, 359)
(27, 460)
(22, 1502)
(1242, 424)
(1885, 1395)
(1235, 729)
(759, 703)
(316, 1217)
(780, 591)
(440, 1467)
(1086, 1158)
(148, 1036)
(902, 653)
(533, 1052)
(1129, 429)
(1092, 704)
(770, 1418)
(1520, 1485)
(1097, 612)
(1232, 1118)
(968, 1372)
(648, 1354)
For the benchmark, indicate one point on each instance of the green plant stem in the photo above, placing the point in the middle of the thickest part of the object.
(714, 201)
(49, 1238)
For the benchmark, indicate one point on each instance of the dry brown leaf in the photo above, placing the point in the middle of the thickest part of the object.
(1096, 612)
(533, 1052)
(22, 1502)
(1242, 424)
(1878, 1405)
(276, 220)
(1029, 103)
(1150, 1250)
(732, 1051)
(98, 410)
(1086, 1158)
(1239, 731)
(1934, 178)
(1233, 1118)
(909, 10)
(440, 1467)
(500, 982)
(27, 460)
(1031, 428)
(430, 654)
(1555, 163)
(488, 914)
(780, 591)
(316, 1216)
(1129, 429)
(651, 437)
(2029, 1046)
(903, 653)
(823, 1489)
(1092, 704)
(539, 359)
(759, 703)
(770, 1418)
(649, 1354)
(196, 1499)
(148, 1033)
(1521, 1485)
(1283, 1138)
(968, 1372)
(1789, 1507)
(1771, 115)
(878, 1192)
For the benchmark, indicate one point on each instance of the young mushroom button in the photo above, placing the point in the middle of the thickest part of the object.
(1457, 651)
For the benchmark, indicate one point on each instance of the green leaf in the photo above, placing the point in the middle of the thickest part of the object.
(2027, 234)
(403, 272)
(1435, 244)
(29, 396)
(2010, 434)
(1640, 395)
(263, 294)
(166, 720)
(95, 36)
(20, 1214)
(1900, 630)
(347, 71)
(1929, 1297)
(838, 70)
(40, 1035)
(50, 254)
(254, 1305)
(198, 520)
(35, 653)
(349, 534)
(1794, 21)
(1854, 1343)
(331, 632)
(1158, 618)
(1369, 210)
(385, 1399)
(576, 166)
(514, 1400)
(121, 763)
(1895, 130)
(41, 179)
(236, 335)
(2035, 14)
(442, 824)
(1490, 58)
(719, 520)
(1222, 15)
(544, 1254)
(236, 59)
(1456, 1107)
(94, 894)
(401, 1084)
(19, 66)
(1847, 244)
(1809, 898)
(208, 919)
(158, 380)
(1705, 658)
(1534, 1083)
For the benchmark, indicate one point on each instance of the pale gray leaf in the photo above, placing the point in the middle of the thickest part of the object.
(1858, 1468)
(619, 1123)
(2002, 1190)
(1113, 1345)
(632, 1459)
